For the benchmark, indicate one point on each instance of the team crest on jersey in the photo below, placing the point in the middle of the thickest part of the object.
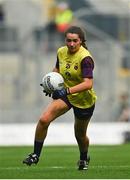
(68, 74)
(67, 66)
(76, 66)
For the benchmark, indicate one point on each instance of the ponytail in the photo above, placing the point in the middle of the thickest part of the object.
(84, 45)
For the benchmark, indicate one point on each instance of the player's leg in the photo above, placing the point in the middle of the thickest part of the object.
(54, 110)
(80, 128)
(82, 119)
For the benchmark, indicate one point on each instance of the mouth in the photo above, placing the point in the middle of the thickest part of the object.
(72, 47)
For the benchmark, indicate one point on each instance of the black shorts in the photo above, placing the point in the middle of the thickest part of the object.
(78, 112)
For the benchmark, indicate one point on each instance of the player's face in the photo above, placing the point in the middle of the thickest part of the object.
(73, 42)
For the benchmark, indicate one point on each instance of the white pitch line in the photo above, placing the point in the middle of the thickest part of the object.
(27, 167)
(103, 166)
(62, 167)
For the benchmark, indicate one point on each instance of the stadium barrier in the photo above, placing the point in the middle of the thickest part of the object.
(63, 134)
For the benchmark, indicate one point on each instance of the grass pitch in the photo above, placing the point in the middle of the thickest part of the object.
(59, 162)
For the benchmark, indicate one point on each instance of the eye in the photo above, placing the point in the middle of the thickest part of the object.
(68, 40)
(75, 40)
(72, 40)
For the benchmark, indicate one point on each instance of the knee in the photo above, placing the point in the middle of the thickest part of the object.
(80, 136)
(44, 120)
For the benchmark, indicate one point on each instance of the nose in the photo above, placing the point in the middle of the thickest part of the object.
(71, 43)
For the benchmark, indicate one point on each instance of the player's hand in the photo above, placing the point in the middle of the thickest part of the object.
(45, 92)
(60, 93)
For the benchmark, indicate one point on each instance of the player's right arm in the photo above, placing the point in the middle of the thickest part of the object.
(56, 68)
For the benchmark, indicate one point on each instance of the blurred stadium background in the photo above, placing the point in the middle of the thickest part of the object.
(25, 58)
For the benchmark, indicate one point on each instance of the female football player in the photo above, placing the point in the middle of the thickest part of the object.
(75, 64)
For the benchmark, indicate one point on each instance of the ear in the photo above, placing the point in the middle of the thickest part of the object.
(81, 42)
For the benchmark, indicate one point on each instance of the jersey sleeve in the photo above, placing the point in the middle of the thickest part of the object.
(87, 66)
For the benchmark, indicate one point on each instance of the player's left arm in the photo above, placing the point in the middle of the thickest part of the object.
(87, 66)
(85, 85)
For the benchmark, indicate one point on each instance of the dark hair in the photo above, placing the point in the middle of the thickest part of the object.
(80, 32)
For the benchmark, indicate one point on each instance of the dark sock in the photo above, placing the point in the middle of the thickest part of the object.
(38, 147)
(83, 155)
